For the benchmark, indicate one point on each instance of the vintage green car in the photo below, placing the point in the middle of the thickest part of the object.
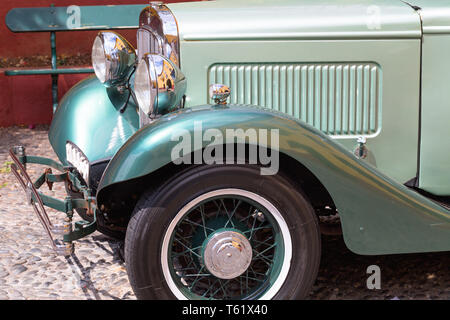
(239, 131)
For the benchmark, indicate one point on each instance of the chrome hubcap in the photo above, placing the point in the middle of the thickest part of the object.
(227, 253)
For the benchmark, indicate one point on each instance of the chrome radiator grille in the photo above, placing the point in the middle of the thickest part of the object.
(338, 99)
(147, 43)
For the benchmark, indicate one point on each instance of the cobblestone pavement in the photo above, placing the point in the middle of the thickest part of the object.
(30, 270)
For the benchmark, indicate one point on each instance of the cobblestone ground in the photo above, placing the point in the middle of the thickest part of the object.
(30, 270)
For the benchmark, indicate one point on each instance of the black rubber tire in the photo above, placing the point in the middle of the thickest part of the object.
(157, 208)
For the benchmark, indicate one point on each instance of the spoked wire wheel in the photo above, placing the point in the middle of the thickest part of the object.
(226, 244)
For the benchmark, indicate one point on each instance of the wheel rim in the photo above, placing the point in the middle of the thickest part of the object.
(206, 255)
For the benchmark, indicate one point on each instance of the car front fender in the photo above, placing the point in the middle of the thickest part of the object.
(378, 214)
(89, 116)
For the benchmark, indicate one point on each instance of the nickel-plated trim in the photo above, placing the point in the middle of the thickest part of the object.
(159, 21)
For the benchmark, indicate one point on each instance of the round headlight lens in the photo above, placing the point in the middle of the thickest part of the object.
(159, 85)
(99, 59)
(142, 87)
(113, 58)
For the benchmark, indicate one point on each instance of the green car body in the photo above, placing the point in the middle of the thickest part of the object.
(323, 73)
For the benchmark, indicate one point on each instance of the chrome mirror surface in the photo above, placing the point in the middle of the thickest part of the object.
(158, 32)
(219, 93)
(159, 85)
(113, 58)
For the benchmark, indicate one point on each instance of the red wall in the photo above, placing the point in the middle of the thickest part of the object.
(26, 100)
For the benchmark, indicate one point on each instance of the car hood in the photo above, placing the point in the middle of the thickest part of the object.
(295, 19)
(435, 15)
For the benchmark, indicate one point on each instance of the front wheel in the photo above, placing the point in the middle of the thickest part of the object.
(223, 232)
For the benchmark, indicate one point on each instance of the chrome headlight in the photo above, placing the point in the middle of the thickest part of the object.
(159, 85)
(143, 89)
(113, 58)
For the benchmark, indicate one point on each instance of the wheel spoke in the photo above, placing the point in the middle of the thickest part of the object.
(177, 254)
(221, 287)
(252, 231)
(254, 279)
(218, 207)
(189, 224)
(196, 279)
(192, 251)
(214, 293)
(202, 213)
(266, 260)
(197, 275)
(249, 215)
(226, 211)
(232, 214)
(198, 224)
(191, 240)
(177, 234)
(260, 243)
(185, 269)
(246, 280)
(225, 293)
(270, 247)
(210, 287)
(240, 285)
(257, 273)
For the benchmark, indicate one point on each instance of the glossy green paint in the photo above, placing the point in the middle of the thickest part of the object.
(435, 15)
(394, 145)
(434, 167)
(293, 19)
(434, 164)
(88, 115)
(378, 215)
(315, 33)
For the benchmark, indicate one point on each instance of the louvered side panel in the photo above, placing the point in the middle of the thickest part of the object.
(339, 99)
